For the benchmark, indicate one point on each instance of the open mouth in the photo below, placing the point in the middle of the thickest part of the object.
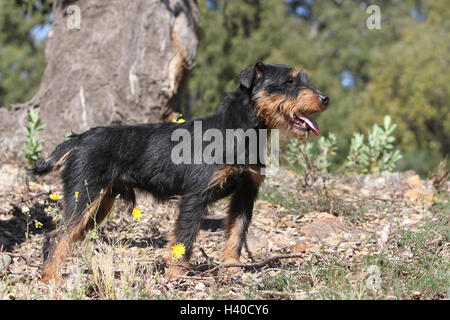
(304, 123)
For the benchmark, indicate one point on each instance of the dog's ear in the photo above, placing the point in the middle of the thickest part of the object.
(249, 75)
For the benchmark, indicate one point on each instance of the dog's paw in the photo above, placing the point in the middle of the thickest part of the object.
(48, 277)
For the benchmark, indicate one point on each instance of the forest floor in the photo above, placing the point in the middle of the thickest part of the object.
(378, 236)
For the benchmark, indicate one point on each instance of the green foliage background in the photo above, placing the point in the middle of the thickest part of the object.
(21, 55)
(401, 70)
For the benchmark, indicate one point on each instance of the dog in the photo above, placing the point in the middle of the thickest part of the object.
(104, 162)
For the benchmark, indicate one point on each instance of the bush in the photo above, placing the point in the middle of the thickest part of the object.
(32, 146)
(377, 155)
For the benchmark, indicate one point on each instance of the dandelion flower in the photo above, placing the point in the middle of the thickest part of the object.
(178, 250)
(179, 119)
(137, 214)
(54, 196)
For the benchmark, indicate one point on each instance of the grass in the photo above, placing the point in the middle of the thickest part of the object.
(114, 263)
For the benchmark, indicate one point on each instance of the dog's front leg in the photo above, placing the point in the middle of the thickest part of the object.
(192, 209)
(238, 221)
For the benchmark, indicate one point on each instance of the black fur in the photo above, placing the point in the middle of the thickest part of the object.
(138, 157)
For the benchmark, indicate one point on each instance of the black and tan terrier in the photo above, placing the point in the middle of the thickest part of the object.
(104, 162)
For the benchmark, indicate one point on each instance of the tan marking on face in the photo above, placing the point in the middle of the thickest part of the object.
(277, 109)
(294, 73)
(308, 102)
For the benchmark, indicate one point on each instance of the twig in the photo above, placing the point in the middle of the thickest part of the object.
(385, 199)
(195, 278)
(277, 293)
(256, 264)
(35, 195)
(205, 255)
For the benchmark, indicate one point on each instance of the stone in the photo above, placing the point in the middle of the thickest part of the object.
(419, 196)
(5, 261)
(414, 181)
(301, 246)
(322, 228)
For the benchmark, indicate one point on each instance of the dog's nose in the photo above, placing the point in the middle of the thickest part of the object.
(324, 99)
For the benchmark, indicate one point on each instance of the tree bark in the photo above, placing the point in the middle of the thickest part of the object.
(125, 64)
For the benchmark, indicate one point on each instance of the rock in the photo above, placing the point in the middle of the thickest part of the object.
(9, 174)
(302, 246)
(414, 181)
(419, 196)
(323, 227)
(5, 261)
(200, 286)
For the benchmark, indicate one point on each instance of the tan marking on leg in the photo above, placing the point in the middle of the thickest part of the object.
(175, 267)
(97, 211)
(221, 175)
(79, 231)
(58, 255)
(256, 175)
(234, 230)
(60, 163)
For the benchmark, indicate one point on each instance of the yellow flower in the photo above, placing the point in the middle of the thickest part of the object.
(179, 119)
(54, 196)
(137, 214)
(178, 250)
(38, 224)
(76, 195)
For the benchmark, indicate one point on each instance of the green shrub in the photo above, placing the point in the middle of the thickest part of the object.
(311, 155)
(32, 146)
(378, 154)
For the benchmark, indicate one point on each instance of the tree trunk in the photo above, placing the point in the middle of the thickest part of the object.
(123, 62)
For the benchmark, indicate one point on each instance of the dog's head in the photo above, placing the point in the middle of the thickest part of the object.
(284, 98)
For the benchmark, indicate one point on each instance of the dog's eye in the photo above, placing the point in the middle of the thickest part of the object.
(289, 81)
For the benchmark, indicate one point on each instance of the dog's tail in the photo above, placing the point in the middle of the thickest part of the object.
(56, 160)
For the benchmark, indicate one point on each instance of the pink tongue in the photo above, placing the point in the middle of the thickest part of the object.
(312, 124)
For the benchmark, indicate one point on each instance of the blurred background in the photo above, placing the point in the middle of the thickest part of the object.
(399, 70)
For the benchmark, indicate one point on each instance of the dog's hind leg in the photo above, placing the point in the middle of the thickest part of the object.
(55, 249)
(57, 244)
(192, 209)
